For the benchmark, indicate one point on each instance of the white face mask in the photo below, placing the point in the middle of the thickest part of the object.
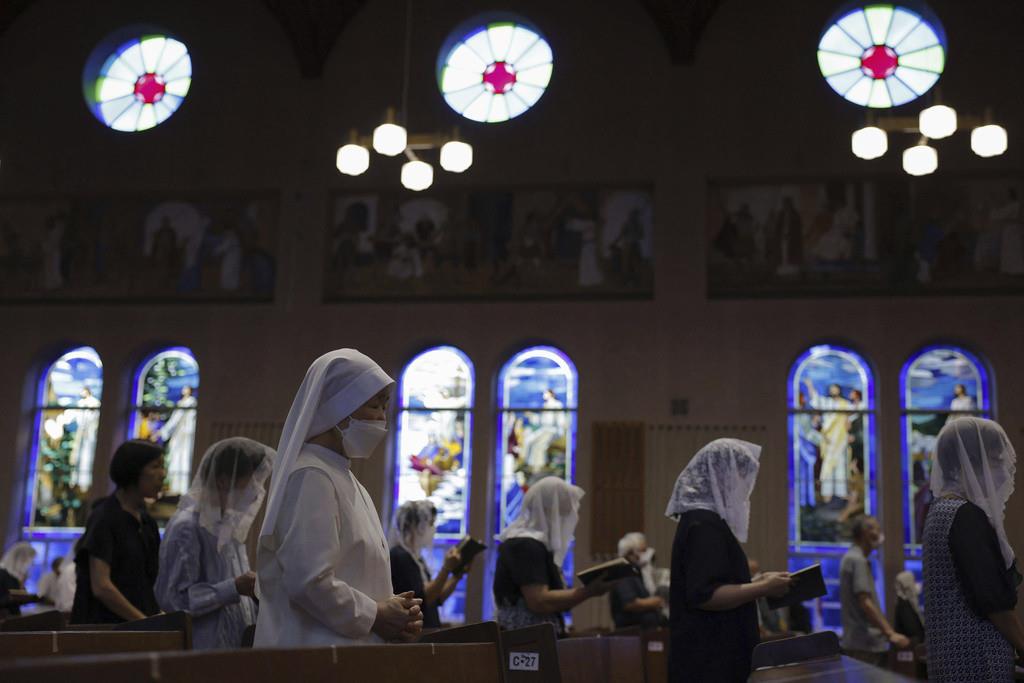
(362, 437)
(646, 557)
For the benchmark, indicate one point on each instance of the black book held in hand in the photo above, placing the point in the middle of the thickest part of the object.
(468, 548)
(808, 583)
(612, 570)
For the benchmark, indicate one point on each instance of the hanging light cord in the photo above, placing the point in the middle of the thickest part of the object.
(405, 66)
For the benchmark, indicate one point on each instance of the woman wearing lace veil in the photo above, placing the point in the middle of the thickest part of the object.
(713, 611)
(970, 574)
(528, 584)
(204, 568)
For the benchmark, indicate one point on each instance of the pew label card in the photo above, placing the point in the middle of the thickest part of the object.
(655, 646)
(524, 661)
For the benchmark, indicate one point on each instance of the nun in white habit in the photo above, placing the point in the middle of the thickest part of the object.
(324, 574)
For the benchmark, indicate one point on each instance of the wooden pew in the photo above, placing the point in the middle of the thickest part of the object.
(423, 663)
(180, 622)
(47, 643)
(51, 620)
(615, 659)
(654, 651)
(840, 668)
(526, 655)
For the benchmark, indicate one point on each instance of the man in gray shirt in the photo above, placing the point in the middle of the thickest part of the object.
(866, 632)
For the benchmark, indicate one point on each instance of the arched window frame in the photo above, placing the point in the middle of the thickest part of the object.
(828, 554)
(453, 610)
(505, 406)
(179, 475)
(984, 407)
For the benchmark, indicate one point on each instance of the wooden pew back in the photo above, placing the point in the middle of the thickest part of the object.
(51, 620)
(46, 643)
(611, 659)
(424, 663)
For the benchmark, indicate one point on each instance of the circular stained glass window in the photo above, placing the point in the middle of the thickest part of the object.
(138, 84)
(882, 55)
(494, 71)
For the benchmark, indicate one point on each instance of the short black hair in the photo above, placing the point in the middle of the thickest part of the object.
(129, 460)
(857, 526)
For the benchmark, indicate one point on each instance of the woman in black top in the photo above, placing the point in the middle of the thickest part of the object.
(118, 556)
(414, 533)
(528, 584)
(713, 611)
(14, 569)
(970, 573)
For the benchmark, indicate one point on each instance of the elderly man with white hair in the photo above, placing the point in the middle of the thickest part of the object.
(633, 600)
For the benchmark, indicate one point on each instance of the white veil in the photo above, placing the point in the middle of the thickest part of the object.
(549, 514)
(18, 560)
(231, 460)
(720, 478)
(336, 384)
(975, 460)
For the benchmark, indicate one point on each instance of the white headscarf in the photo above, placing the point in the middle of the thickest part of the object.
(233, 459)
(18, 560)
(974, 460)
(720, 478)
(550, 511)
(336, 384)
(907, 589)
(414, 526)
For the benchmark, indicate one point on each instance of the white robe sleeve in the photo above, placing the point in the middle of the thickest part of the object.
(309, 528)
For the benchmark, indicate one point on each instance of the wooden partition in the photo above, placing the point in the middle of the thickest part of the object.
(829, 669)
(51, 620)
(423, 663)
(47, 643)
(526, 655)
(611, 659)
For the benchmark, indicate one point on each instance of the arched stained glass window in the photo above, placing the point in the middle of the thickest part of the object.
(166, 400)
(537, 438)
(67, 419)
(135, 80)
(494, 70)
(882, 55)
(433, 449)
(937, 384)
(832, 460)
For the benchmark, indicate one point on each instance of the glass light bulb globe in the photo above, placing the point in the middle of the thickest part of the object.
(937, 122)
(417, 175)
(988, 141)
(353, 159)
(869, 142)
(920, 160)
(456, 156)
(389, 139)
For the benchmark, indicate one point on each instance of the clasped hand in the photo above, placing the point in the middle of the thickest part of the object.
(399, 618)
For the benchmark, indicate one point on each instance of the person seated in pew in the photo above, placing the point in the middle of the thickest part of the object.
(970, 569)
(14, 568)
(204, 568)
(323, 566)
(528, 584)
(119, 553)
(633, 599)
(713, 618)
(414, 533)
(48, 581)
(909, 620)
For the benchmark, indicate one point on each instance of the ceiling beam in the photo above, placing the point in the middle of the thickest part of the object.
(681, 23)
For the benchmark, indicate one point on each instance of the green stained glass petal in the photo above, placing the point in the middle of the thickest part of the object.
(479, 108)
(830, 63)
(539, 76)
(879, 17)
(132, 58)
(844, 81)
(500, 36)
(113, 88)
(460, 99)
(173, 51)
(128, 120)
(929, 59)
(898, 91)
(529, 93)
(147, 118)
(152, 47)
(180, 69)
(879, 97)
(453, 79)
(179, 87)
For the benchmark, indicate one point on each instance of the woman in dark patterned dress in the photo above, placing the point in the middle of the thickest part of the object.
(970, 576)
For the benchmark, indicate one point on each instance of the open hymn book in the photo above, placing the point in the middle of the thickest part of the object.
(468, 548)
(808, 583)
(612, 570)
